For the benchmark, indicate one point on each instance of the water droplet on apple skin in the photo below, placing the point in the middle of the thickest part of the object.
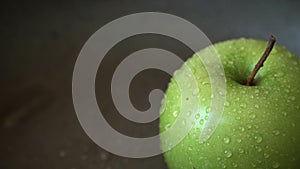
(266, 155)
(167, 126)
(258, 139)
(252, 116)
(195, 92)
(201, 121)
(183, 122)
(258, 148)
(292, 98)
(243, 105)
(275, 165)
(237, 117)
(208, 109)
(242, 129)
(234, 165)
(175, 113)
(276, 132)
(284, 113)
(226, 140)
(241, 151)
(253, 165)
(249, 126)
(228, 153)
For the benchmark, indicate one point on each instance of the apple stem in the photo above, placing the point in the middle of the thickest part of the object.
(260, 63)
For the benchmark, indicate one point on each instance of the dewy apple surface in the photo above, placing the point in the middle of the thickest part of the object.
(259, 124)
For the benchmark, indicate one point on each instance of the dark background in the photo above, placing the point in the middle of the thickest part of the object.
(40, 41)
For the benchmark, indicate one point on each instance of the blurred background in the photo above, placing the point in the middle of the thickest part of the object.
(40, 41)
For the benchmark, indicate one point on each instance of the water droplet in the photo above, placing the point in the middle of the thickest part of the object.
(276, 132)
(256, 106)
(201, 122)
(197, 116)
(241, 151)
(175, 113)
(292, 98)
(239, 140)
(206, 117)
(266, 155)
(242, 129)
(249, 126)
(167, 126)
(226, 140)
(258, 139)
(294, 139)
(228, 153)
(205, 83)
(293, 124)
(190, 148)
(251, 96)
(221, 93)
(242, 105)
(195, 92)
(226, 104)
(224, 166)
(295, 63)
(275, 165)
(234, 165)
(208, 109)
(238, 117)
(218, 158)
(252, 116)
(188, 74)
(203, 99)
(258, 148)
(284, 113)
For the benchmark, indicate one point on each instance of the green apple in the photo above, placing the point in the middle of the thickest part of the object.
(259, 127)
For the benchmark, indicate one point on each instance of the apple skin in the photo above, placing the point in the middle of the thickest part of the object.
(260, 125)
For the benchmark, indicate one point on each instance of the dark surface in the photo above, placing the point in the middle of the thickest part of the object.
(40, 42)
